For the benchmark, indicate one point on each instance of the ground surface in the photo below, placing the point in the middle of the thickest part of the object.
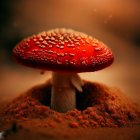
(100, 110)
(36, 133)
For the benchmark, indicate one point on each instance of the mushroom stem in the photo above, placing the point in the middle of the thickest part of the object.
(63, 96)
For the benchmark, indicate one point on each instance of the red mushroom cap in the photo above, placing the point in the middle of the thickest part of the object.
(63, 50)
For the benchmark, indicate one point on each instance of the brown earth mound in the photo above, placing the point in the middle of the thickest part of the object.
(97, 106)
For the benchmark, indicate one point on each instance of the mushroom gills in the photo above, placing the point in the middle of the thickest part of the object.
(77, 82)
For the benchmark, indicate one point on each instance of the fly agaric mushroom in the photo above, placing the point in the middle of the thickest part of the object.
(66, 53)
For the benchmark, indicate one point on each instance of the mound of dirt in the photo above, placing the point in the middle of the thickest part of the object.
(97, 106)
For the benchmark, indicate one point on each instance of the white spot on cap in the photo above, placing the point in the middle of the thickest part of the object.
(61, 38)
(61, 47)
(77, 43)
(71, 62)
(97, 49)
(84, 62)
(43, 34)
(52, 38)
(41, 39)
(58, 62)
(62, 43)
(44, 42)
(83, 50)
(34, 39)
(42, 46)
(50, 46)
(37, 43)
(71, 54)
(50, 51)
(47, 38)
(60, 54)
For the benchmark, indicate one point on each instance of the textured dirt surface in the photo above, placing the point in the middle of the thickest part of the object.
(101, 107)
(29, 131)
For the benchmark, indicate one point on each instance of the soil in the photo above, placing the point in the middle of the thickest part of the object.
(100, 109)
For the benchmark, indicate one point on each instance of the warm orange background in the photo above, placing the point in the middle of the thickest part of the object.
(115, 22)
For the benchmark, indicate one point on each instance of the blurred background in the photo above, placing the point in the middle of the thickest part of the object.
(115, 22)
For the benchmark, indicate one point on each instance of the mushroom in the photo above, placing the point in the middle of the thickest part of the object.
(65, 52)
